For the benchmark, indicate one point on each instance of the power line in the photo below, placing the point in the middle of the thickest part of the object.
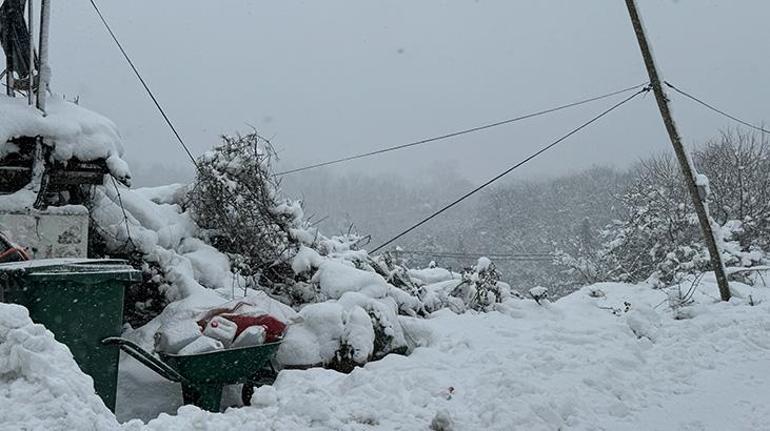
(144, 84)
(162, 112)
(509, 170)
(477, 254)
(512, 257)
(129, 240)
(461, 132)
(715, 109)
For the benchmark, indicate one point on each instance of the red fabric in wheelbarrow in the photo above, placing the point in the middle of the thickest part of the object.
(274, 328)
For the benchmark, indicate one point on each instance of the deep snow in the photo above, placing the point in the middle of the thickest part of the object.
(608, 357)
(588, 361)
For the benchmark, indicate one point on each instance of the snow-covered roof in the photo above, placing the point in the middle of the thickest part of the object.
(71, 130)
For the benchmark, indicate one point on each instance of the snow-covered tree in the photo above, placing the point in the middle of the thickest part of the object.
(657, 236)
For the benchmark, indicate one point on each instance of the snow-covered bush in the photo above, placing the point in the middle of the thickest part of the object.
(234, 202)
(539, 293)
(477, 288)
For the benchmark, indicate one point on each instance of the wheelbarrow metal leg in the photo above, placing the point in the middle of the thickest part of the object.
(265, 376)
(207, 396)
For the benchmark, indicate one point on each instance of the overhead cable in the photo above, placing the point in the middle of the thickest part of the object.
(511, 169)
(462, 132)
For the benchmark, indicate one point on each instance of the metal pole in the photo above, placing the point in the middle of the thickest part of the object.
(685, 164)
(30, 27)
(44, 72)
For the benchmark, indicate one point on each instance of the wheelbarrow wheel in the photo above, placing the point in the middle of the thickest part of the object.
(247, 392)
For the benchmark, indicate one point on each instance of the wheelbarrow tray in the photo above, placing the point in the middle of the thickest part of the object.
(203, 375)
(229, 366)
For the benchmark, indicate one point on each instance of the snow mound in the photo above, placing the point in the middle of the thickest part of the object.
(336, 278)
(71, 130)
(432, 275)
(41, 386)
(617, 360)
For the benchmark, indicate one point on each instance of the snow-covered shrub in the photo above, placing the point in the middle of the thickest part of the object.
(486, 284)
(538, 293)
(146, 299)
(234, 201)
(477, 288)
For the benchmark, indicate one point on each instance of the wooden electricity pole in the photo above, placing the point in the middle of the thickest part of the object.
(685, 164)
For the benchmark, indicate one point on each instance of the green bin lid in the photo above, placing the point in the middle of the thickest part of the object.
(79, 269)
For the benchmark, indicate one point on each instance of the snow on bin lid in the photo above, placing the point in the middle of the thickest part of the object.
(44, 267)
(71, 130)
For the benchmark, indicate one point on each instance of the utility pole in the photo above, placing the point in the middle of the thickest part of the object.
(688, 170)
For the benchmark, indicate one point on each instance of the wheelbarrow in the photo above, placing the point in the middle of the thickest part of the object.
(203, 375)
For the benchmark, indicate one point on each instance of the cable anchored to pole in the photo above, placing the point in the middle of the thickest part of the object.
(715, 109)
(511, 169)
(463, 132)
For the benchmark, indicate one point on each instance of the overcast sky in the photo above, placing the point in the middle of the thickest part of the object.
(326, 79)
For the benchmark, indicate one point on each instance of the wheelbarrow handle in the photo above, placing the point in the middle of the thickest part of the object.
(143, 356)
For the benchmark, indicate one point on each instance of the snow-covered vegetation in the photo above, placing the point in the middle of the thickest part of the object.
(601, 224)
(656, 235)
(231, 235)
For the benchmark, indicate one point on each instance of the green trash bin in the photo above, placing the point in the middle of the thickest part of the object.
(81, 302)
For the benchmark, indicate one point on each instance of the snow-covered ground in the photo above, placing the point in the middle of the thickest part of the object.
(582, 362)
(610, 356)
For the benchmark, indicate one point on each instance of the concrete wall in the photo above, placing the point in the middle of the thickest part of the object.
(54, 233)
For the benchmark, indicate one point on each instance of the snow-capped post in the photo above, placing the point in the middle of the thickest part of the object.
(685, 164)
(44, 72)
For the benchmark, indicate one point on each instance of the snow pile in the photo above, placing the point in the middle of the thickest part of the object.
(347, 282)
(432, 275)
(165, 235)
(336, 278)
(41, 387)
(71, 131)
(610, 356)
